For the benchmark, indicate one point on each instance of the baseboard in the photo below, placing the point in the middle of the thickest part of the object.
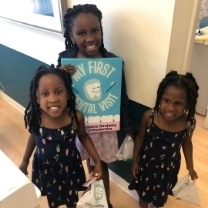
(12, 102)
(206, 120)
(120, 182)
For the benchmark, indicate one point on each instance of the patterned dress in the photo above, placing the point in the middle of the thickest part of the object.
(57, 167)
(159, 164)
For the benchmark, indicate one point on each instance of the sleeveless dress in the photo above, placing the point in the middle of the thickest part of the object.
(159, 164)
(57, 167)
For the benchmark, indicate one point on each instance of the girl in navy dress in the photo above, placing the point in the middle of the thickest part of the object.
(162, 133)
(54, 122)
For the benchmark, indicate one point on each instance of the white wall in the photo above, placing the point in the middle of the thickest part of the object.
(186, 17)
(138, 31)
(152, 36)
(39, 44)
(199, 68)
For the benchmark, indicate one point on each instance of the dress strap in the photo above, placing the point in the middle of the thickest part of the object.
(153, 114)
(73, 122)
(73, 117)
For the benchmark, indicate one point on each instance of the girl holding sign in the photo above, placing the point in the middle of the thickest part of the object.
(84, 39)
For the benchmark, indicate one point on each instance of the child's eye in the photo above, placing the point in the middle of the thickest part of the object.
(58, 92)
(44, 94)
(178, 104)
(81, 33)
(96, 31)
(166, 100)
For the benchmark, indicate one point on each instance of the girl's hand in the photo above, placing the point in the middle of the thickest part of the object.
(193, 174)
(98, 171)
(71, 69)
(135, 169)
(23, 167)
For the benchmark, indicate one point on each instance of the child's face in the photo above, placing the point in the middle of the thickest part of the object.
(52, 95)
(86, 33)
(173, 103)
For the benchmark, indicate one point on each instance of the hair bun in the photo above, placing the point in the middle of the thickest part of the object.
(171, 73)
(191, 77)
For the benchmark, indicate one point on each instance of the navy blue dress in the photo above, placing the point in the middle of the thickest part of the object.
(57, 167)
(159, 164)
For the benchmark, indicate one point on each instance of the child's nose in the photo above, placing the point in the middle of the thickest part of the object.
(171, 107)
(53, 98)
(90, 37)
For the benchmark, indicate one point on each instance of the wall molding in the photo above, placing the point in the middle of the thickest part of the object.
(120, 182)
(12, 102)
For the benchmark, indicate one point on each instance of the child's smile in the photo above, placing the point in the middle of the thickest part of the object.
(54, 108)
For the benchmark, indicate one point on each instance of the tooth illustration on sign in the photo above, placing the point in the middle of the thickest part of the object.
(92, 89)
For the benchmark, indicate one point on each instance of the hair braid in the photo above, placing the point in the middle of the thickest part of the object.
(71, 97)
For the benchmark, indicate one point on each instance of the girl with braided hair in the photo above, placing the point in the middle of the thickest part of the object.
(84, 39)
(162, 132)
(53, 122)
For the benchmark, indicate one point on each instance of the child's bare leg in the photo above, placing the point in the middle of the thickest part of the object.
(106, 181)
(143, 204)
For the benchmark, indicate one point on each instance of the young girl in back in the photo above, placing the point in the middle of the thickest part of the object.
(84, 39)
(54, 122)
(162, 133)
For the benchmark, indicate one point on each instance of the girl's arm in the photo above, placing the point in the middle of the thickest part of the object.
(188, 154)
(139, 140)
(88, 145)
(28, 152)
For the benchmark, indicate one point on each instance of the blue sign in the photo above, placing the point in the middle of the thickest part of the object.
(97, 87)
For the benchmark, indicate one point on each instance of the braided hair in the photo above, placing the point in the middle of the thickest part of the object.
(71, 15)
(187, 82)
(32, 115)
